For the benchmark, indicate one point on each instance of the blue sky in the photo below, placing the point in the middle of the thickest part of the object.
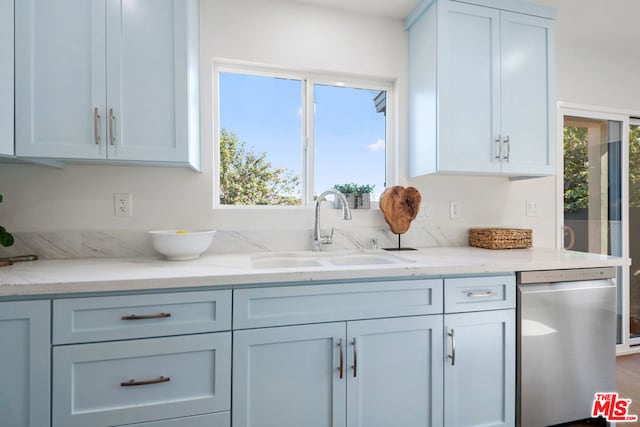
(349, 134)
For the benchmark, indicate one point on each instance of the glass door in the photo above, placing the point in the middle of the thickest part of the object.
(593, 190)
(634, 231)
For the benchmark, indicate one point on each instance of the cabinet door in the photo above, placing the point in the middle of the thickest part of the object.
(6, 77)
(60, 78)
(148, 56)
(528, 94)
(24, 371)
(394, 375)
(479, 373)
(469, 83)
(289, 376)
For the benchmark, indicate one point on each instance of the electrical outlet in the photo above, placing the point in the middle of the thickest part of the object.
(454, 210)
(424, 211)
(531, 208)
(122, 203)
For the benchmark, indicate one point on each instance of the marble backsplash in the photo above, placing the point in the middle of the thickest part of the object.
(110, 244)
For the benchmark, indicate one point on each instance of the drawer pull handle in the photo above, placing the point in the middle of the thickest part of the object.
(96, 126)
(480, 294)
(355, 359)
(341, 358)
(508, 142)
(133, 383)
(452, 356)
(112, 118)
(146, 316)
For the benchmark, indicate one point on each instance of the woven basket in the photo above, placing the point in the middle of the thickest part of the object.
(500, 238)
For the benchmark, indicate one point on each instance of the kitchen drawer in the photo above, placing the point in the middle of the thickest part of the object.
(479, 293)
(192, 376)
(220, 419)
(80, 320)
(290, 305)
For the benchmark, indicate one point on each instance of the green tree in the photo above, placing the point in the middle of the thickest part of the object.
(634, 166)
(576, 169)
(248, 178)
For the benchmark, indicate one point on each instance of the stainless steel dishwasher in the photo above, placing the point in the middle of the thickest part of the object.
(566, 343)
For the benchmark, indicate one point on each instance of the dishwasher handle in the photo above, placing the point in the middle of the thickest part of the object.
(569, 275)
(532, 288)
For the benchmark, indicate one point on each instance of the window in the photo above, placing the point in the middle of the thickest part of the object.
(284, 138)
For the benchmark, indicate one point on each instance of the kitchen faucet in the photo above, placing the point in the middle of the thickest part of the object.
(318, 238)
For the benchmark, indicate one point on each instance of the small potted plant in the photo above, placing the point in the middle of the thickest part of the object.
(363, 196)
(358, 196)
(6, 239)
(349, 191)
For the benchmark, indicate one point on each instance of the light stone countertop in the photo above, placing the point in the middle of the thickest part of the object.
(55, 277)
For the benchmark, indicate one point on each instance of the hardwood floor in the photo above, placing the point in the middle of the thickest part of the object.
(628, 379)
(627, 384)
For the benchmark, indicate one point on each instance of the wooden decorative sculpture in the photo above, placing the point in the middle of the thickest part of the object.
(400, 206)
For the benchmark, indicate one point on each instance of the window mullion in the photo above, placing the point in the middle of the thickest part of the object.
(308, 141)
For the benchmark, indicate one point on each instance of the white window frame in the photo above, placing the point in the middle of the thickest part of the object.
(309, 80)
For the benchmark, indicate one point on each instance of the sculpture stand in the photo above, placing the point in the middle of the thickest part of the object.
(399, 248)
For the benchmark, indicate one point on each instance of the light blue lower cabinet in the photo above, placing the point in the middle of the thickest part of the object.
(125, 382)
(479, 374)
(369, 373)
(394, 375)
(290, 376)
(220, 419)
(25, 363)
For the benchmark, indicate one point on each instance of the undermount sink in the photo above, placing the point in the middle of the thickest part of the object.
(284, 262)
(325, 259)
(365, 259)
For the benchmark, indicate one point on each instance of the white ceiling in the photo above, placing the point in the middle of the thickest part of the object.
(609, 26)
(604, 25)
(390, 8)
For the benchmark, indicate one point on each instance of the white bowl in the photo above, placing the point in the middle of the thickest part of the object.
(181, 245)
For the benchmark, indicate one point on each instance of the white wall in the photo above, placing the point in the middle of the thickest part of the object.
(598, 56)
(284, 34)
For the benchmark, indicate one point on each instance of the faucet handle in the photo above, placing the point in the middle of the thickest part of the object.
(330, 236)
(374, 243)
(327, 239)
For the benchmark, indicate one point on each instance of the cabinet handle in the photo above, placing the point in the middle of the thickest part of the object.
(134, 383)
(111, 120)
(452, 356)
(507, 141)
(146, 316)
(355, 358)
(499, 147)
(96, 126)
(341, 368)
(482, 294)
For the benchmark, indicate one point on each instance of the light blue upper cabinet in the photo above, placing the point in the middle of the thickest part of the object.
(108, 80)
(527, 93)
(6, 77)
(481, 88)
